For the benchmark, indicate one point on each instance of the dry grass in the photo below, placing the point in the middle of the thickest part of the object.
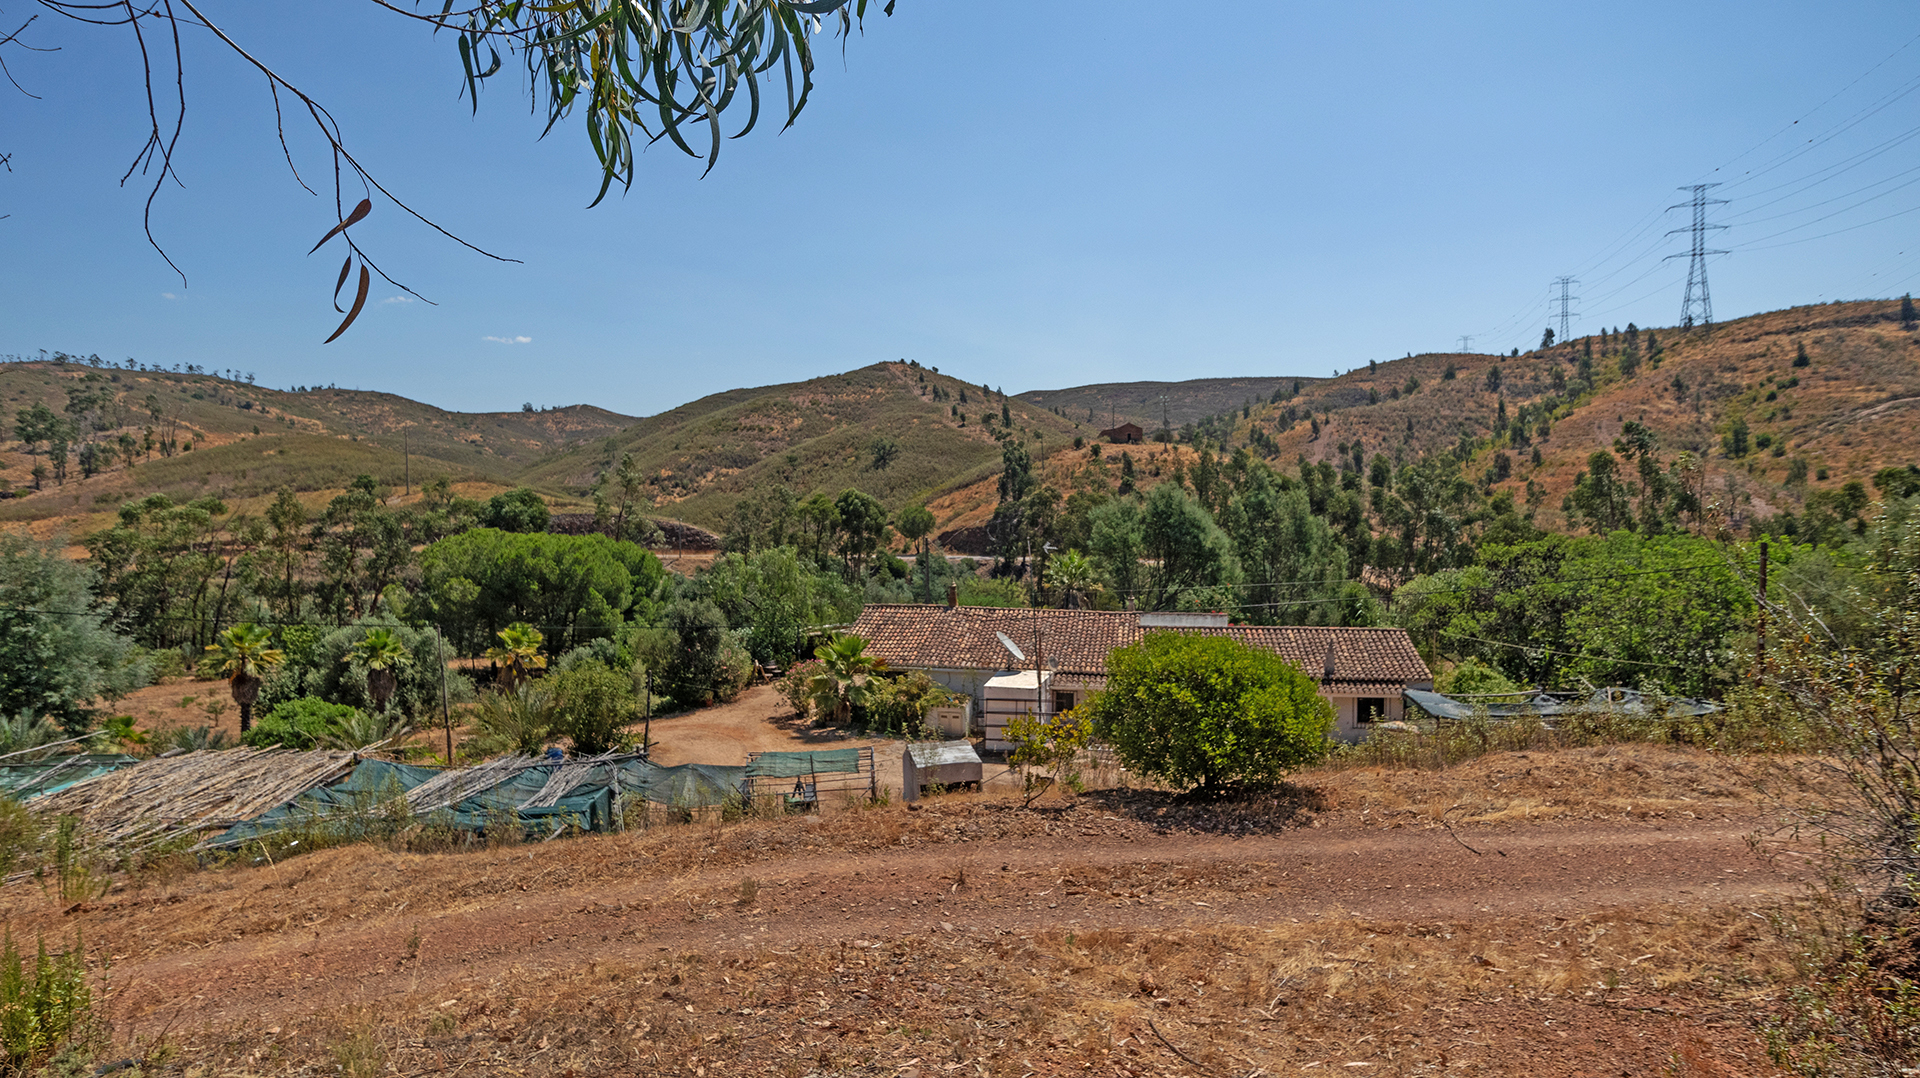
(1625, 780)
(1404, 996)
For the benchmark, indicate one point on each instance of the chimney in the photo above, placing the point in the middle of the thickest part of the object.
(1329, 674)
(953, 595)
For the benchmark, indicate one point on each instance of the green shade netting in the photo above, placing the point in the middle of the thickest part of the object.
(353, 803)
(360, 804)
(26, 781)
(787, 765)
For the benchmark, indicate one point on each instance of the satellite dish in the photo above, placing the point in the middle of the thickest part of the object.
(1007, 642)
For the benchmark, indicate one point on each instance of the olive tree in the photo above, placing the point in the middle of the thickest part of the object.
(1208, 711)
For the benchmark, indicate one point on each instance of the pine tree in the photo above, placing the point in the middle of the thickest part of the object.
(1546, 339)
(1906, 310)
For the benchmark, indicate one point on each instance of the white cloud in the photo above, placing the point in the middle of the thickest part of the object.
(168, 295)
(398, 299)
(509, 340)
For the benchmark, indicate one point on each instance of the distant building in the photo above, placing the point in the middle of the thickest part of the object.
(1124, 434)
(1363, 671)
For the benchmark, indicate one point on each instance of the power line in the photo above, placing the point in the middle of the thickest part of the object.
(1697, 266)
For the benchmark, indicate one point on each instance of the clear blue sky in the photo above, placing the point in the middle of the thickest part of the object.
(1029, 195)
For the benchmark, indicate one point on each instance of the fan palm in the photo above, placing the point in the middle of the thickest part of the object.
(246, 654)
(382, 653)
(365, 728)
(1072, 575)
(841, 681)
(518, 654)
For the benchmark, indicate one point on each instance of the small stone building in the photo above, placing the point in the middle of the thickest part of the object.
(1363, 671)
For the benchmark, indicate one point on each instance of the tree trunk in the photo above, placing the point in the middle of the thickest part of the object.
(246, 689)
(380, 686)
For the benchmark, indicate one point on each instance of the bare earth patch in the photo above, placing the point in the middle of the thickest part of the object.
(1112, 933)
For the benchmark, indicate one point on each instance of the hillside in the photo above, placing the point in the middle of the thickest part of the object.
(238, 440)
(1842, 416)
(1110, 403)
(1846, 414)
(815, 436)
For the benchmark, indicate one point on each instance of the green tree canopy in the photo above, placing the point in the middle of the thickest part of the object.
(574, 588)
(57, 659)
(518, 510)
(1208, 711)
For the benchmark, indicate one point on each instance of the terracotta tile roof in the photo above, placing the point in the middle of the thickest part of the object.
(1076, 642)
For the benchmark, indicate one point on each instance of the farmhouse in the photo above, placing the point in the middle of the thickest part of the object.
(1363, 671)
(1124, 434)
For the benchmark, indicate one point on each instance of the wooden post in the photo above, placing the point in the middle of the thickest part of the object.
(446, 714)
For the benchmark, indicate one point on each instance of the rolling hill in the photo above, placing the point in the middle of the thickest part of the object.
(908, 434)
(815, 436)
(1146, 403)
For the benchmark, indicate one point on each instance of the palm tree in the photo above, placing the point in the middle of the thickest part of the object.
(246, 653)
(842, 678)
(518, 654)
(1072, 574)
(383, 654)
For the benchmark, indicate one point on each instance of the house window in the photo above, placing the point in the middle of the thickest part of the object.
(1062, 702)
(1370, 709)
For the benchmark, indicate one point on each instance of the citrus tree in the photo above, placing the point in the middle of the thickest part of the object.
(246, 655)
(1209, 712)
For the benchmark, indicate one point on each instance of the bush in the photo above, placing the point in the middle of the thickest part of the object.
(796, 686)
(1208, 711)
(299, 724)
(19, 835)
(519, 510)
(899, 704)
(593, 705)
(42, 1003)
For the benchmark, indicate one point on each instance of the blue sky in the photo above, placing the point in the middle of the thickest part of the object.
(1028, 195)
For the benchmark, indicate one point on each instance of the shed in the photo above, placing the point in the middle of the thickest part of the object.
(1016, 692)
(943, 763)
(1124, 434)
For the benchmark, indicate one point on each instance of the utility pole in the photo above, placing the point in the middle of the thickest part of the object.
(1164, 425)
(1564, 283)
(1697, 256)
(1466, 343)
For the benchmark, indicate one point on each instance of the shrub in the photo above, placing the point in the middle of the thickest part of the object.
(519, 510)
(19, 835)
(795, 686)
(593, 704)
(517, 720)
(899, 704)
(1208, 711)
(299, 724)
(42, 1004)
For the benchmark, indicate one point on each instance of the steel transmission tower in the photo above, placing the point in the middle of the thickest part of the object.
(1697, 294)
(1564, 283)
(1466, 343)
